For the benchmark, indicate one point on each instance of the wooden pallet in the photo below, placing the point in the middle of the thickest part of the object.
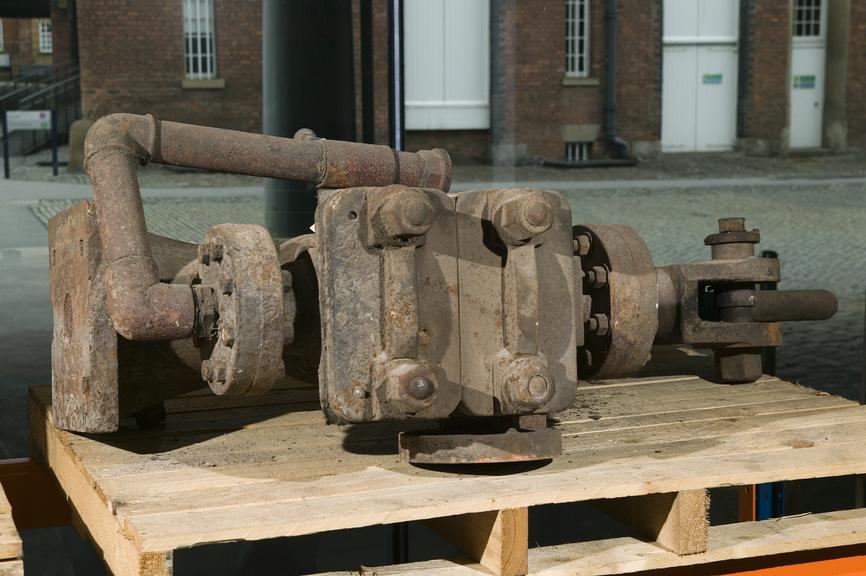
(10, 542)
(225, 469)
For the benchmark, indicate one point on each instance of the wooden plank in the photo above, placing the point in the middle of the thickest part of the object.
(497, 540)
(118, 550)
(12, 568)
(291, 475)
(629, 555)
(10, 541)
(726, 542)
(676, 521)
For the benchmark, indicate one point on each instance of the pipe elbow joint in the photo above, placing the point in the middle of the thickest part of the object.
(146, 310)
(131, 134)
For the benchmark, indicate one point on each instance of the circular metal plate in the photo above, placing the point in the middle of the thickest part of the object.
(629, 299)
(510, 446)
(239, 262)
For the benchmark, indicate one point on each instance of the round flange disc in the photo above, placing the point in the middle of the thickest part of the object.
(509, 446)
(629, 299)
(239, 262)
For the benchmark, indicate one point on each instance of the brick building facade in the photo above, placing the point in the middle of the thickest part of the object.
(132, 59)
(24, 47)
(536, 108)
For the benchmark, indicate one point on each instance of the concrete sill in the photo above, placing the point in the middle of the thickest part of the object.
(208, 84)
(572, 81)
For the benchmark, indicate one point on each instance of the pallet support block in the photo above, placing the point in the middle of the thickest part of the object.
(498, 540)
(676, 521)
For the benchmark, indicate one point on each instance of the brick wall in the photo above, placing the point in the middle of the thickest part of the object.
(857, 74)
(766, 34)
(63, 30)
(639, 63)
(135, 63)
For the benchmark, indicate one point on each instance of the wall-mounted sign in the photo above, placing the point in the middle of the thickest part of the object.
(804, 82)
(28, 120)
(712, 79)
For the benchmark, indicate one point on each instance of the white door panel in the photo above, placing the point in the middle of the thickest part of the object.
(699, 90)
(447, 45)
(807, 96)
(716, 98)
(719, 19)
(679, 105)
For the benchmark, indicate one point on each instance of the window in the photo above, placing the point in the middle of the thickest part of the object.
(577, 38)
(807, 18)
(46, 42)
(198, 39)
(577, 151)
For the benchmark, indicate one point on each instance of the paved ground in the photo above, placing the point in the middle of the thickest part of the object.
(810, 210)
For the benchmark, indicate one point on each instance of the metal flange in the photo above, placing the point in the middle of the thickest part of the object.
(620, 277)
(239, 264)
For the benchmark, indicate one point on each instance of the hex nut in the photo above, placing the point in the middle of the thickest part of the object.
(582, 244)
(405, 213)
(522, 216)
(526, 383)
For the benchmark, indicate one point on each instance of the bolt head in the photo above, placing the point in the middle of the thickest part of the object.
(538, 386)
(420, 388)
(521, 215)
(582, 244)
(538, 214)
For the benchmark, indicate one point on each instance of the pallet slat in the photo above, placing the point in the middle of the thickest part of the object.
(248, 471)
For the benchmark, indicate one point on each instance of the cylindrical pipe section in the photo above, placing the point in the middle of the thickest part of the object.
(141, 307)
(793, 305)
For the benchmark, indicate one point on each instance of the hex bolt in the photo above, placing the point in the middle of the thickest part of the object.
(207, 370)
(538, 386)
(582, 244)
(599, 324)
(227, 334)
(415, 212)
(538, 213)
(732, 224)
(420, 388)
(597, 277)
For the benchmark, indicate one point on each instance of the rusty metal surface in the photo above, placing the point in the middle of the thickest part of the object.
(97, 376)
(141, 308)
(239, 263)
(517, 302)
(622, 322)
(388, 303)
(84, 345)
(481, 448)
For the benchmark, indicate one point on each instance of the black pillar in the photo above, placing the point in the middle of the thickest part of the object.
(307, 82)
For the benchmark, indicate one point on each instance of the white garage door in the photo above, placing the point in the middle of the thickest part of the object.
(699, 83)
(447, 45)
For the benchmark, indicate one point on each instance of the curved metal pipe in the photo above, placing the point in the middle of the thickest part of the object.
(143, 308)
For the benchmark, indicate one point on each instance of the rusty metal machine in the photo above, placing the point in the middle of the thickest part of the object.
(477, 311)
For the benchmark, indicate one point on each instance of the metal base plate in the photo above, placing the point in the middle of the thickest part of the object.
(510, 446)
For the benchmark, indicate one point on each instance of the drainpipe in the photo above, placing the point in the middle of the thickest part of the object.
(622, 147)
(140, 306)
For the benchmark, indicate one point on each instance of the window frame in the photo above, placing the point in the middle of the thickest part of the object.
(199, 31)
(46, 39)
(815, 24)
(577, 45)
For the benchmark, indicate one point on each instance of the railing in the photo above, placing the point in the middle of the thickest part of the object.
(62, 94)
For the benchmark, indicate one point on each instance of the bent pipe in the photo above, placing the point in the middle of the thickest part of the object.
(140, 306)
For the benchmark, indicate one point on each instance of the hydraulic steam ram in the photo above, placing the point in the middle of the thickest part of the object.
(476, 310)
